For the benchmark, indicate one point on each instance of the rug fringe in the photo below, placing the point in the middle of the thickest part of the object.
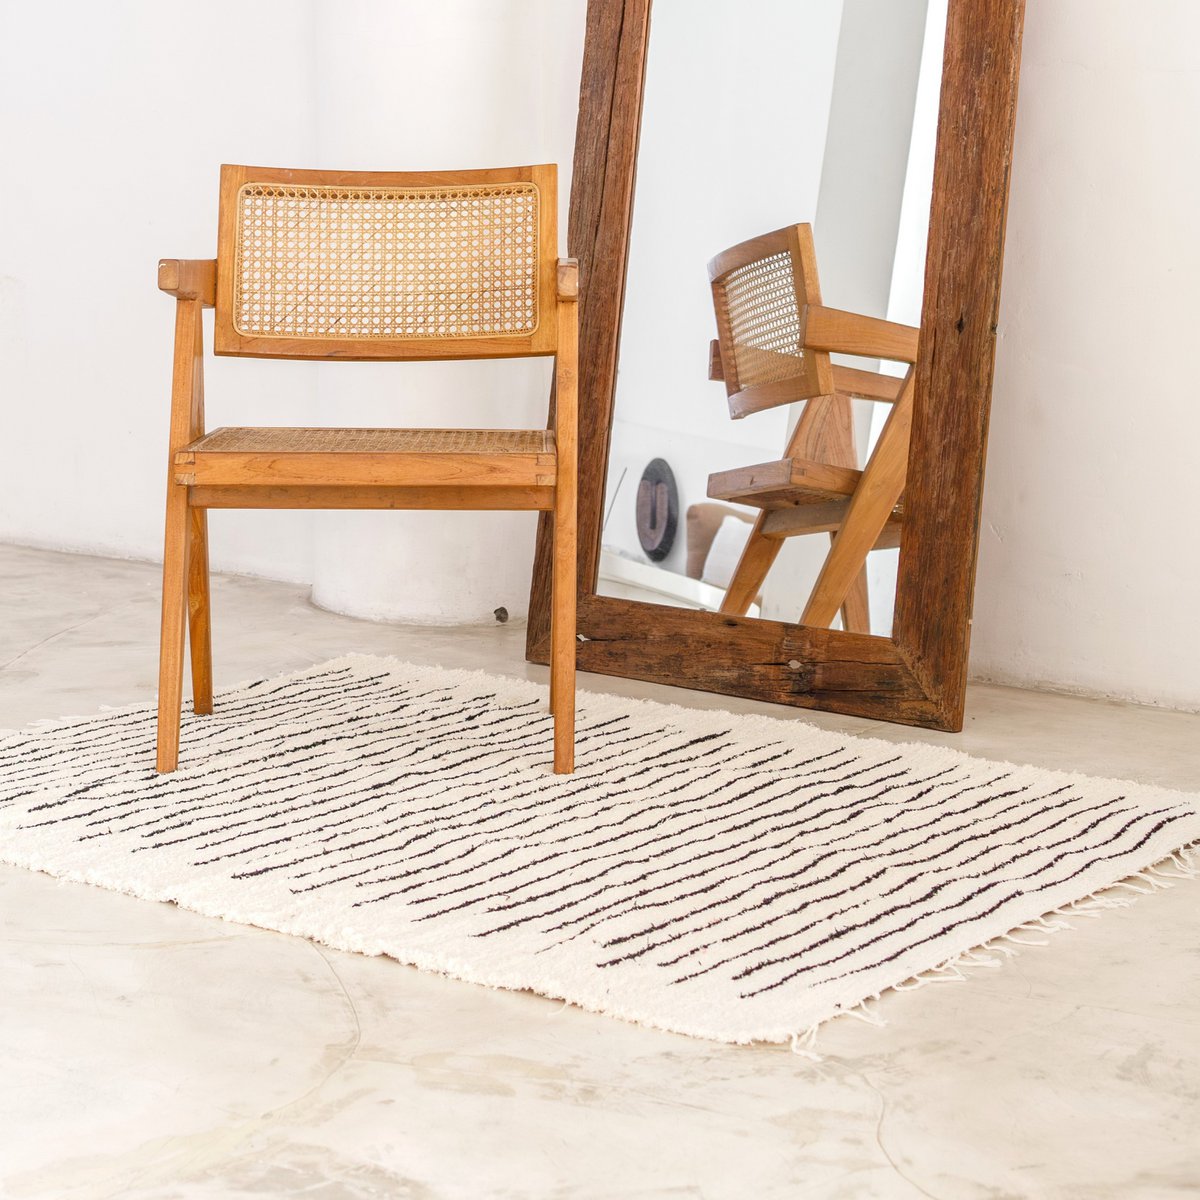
(994, 953)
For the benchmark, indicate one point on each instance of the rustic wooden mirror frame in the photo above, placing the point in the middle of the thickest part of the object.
(918, 675)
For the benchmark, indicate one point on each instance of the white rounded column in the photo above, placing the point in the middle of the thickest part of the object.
(408, 85)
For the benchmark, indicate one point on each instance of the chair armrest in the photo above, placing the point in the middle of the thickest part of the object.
(189, 279)
(568, 280)
(835, 331)
(867, 385)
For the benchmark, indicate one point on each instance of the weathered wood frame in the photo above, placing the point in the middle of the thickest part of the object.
(917, 676)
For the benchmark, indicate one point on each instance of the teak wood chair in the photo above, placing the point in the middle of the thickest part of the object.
(773, 347)
(335, 265)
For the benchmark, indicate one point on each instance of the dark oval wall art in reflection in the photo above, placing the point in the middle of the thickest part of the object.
(657, 510)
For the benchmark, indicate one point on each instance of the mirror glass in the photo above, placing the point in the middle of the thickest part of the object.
(763, 116)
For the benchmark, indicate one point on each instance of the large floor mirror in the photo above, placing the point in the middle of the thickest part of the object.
(756, 117)
(789, 216)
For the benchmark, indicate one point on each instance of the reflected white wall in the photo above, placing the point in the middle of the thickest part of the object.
(864, 182)
(114, 120)
(733, 137)
(907, 295)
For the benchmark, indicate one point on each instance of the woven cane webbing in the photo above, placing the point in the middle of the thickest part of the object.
(386, 262)
(764, 320)
(232, 440)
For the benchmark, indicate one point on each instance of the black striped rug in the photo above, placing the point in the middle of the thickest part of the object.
(737, 878)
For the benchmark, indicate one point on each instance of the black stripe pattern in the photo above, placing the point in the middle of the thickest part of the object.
(732, 877)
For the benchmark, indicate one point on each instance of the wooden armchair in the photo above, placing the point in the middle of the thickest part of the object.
(773, 347)
(334, 265)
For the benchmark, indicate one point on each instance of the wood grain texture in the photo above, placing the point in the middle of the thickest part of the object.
(869, 385)
(199, 611)
(838, 332)
(365, 470)
(186, 424)
(476, 499)
(803, 376)
(822, 518)
(783, 482)
(825, 433)
(601, 209)
(754, 563)
(944, 494)
(918, 676)
(565, 585)
(798, 665)
(189, 279)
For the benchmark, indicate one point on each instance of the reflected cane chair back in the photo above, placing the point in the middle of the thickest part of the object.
(774, 344)
(760, 291)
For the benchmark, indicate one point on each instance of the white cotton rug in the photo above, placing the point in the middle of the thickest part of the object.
(736, 878)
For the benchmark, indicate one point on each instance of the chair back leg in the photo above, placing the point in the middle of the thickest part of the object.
(199, 613)
(562, 638)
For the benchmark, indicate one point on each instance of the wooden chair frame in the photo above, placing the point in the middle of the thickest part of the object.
(539, 476)
(918, 675)
(855, 508)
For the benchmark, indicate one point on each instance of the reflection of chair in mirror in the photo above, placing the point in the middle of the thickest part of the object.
(774, 341)
(716, 534)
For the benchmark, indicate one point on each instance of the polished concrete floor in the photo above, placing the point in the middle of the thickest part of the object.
(148, 1052)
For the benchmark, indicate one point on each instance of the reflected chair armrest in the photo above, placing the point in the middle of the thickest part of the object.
(835, 331)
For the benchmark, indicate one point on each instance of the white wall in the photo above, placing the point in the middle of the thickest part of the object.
(875, 125)
(417, 86)
(114, 119)
(1089, 572)
(719, 162)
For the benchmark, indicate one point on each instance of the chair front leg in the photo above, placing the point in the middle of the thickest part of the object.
(757, 558)
(174, 607)
(185, 547)
(856, 608)
(565, 550)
